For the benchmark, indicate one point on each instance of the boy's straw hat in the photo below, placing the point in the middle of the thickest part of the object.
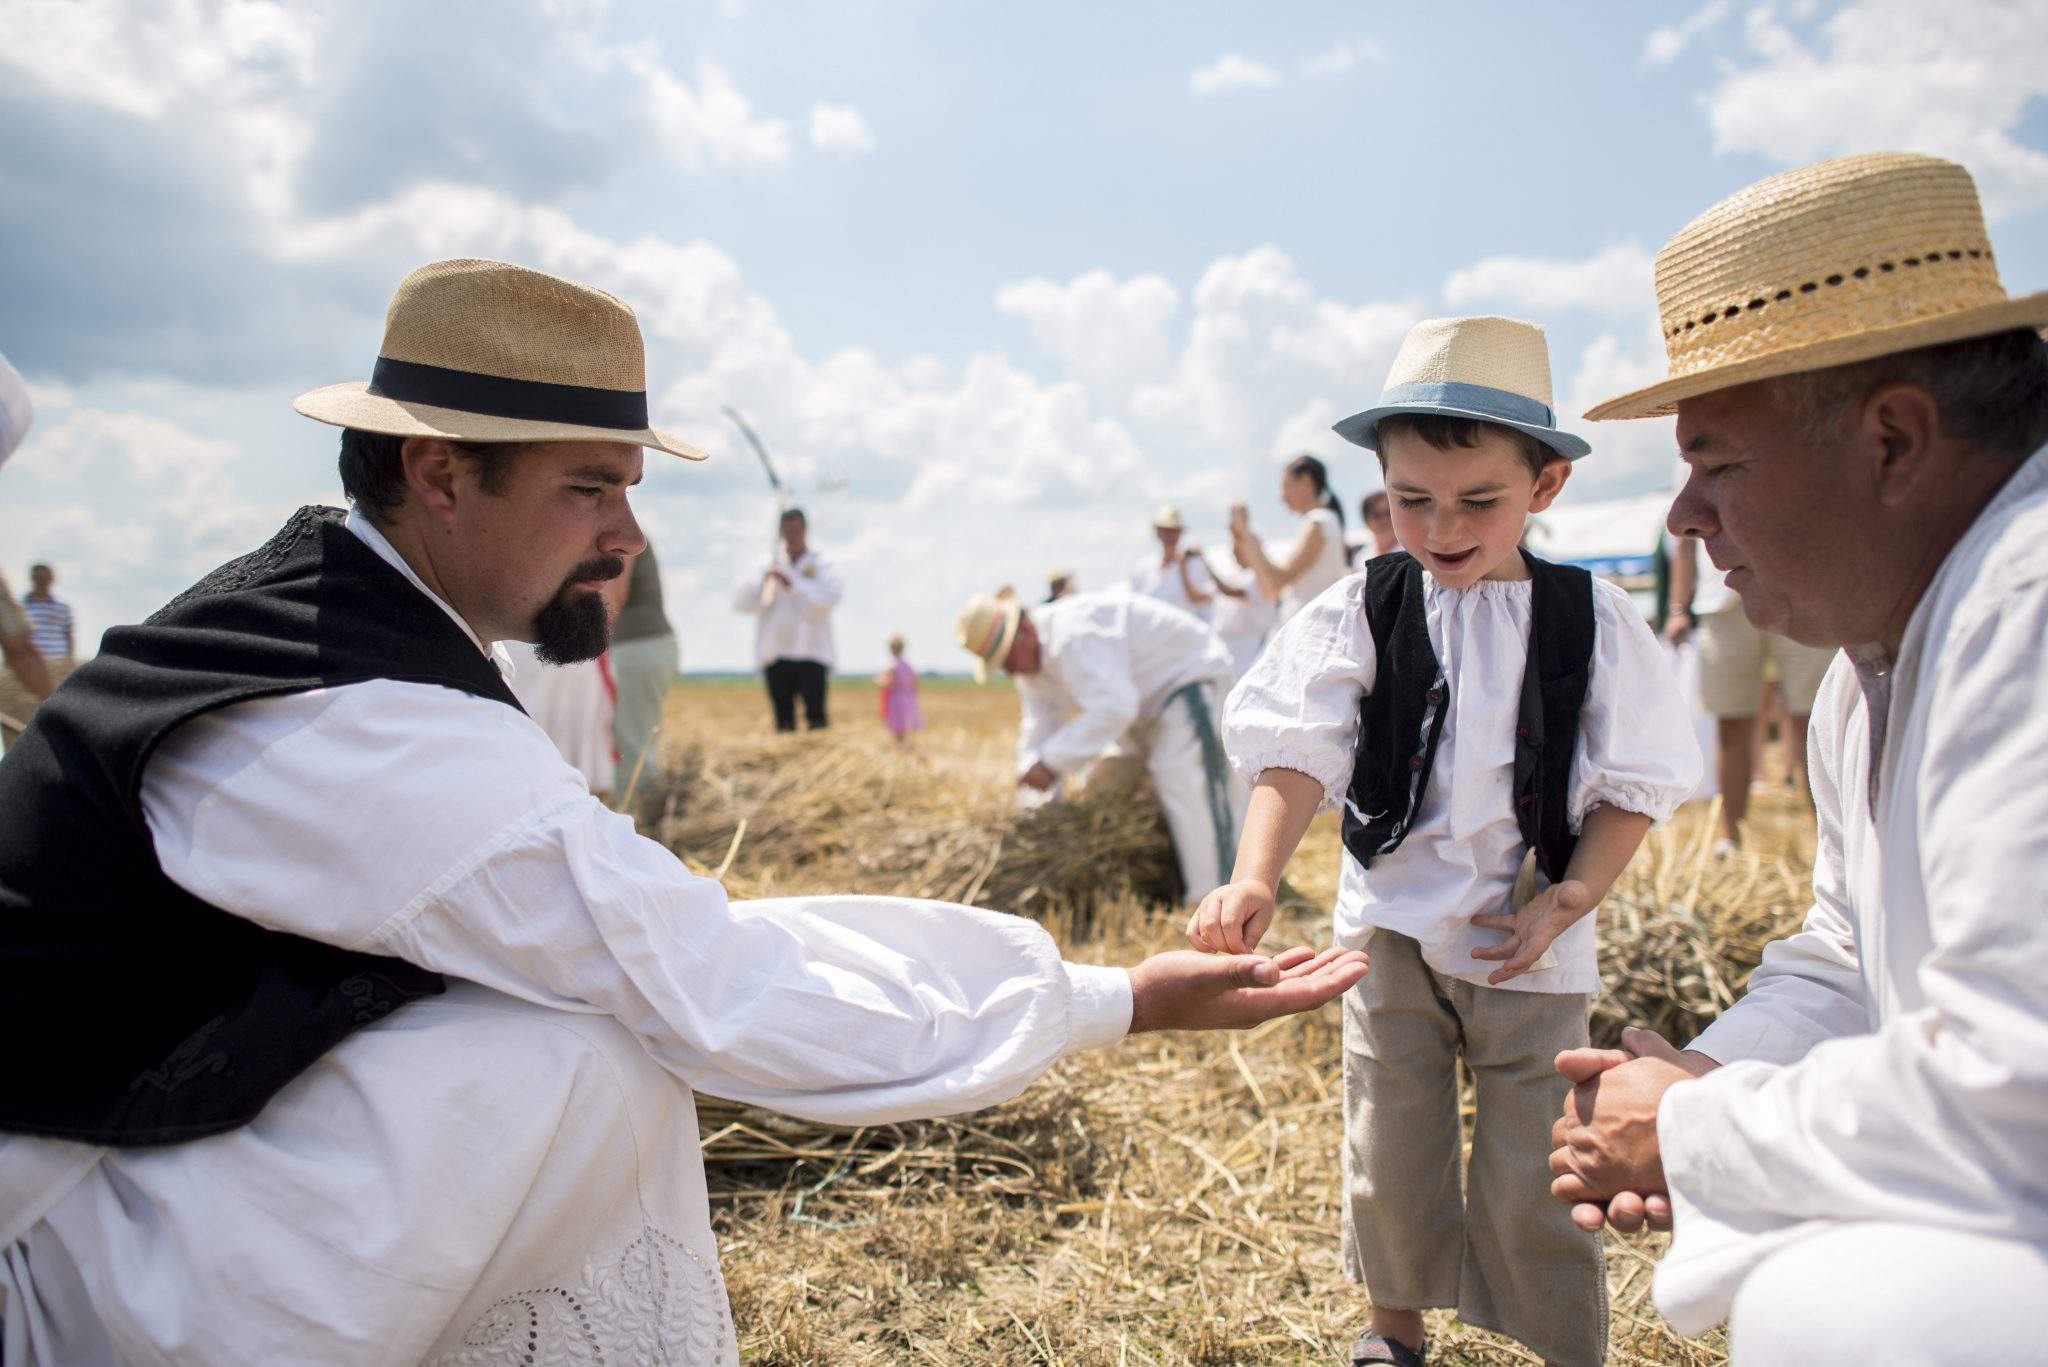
(1822, 266)
(1167, 519)
(987, 628)
(1493, 369)
(483, 351)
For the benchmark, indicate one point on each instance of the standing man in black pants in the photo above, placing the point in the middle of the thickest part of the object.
(792, 600)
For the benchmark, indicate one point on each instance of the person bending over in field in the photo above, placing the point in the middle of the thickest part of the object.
(1471, 708)
(1096, 671)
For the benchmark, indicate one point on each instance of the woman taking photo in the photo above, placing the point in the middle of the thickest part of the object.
(1317, 559)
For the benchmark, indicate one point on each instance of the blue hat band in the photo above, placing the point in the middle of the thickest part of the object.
(1477, 398)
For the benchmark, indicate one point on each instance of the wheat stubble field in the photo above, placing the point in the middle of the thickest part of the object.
(1173, 1199)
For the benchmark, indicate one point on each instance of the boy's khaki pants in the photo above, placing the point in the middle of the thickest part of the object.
(1497, 1247)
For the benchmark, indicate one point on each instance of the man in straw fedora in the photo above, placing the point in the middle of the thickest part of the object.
(1855, 1156)
(1097, 672)
(364, 1034)
(1176, 574)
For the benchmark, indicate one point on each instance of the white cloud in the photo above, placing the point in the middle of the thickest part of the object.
(711, 125)
(1231, 72)
(1665, 45)
(1616, 281)
(1627, 457)
(1234, 71)
(1105, 331)
(840, 128)
(1341, 59)
(1951, 80)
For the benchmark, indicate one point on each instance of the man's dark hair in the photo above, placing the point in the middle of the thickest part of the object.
(40, 568)
(1443, 432)
(373, 473)
(1991, 392)
(794, 515)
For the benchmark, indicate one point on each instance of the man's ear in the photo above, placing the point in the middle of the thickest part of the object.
(1550, 483)
(430, 464)
(1896, 431)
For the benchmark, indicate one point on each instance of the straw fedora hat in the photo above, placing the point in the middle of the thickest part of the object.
(1168, 519)
(483, 351)
(1493, 369)
(987, 628)
(1834, 263)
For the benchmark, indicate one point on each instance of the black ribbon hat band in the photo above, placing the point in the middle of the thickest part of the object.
(494, 395)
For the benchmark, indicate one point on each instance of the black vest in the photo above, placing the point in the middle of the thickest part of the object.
(140, 1014)
(1402, 719)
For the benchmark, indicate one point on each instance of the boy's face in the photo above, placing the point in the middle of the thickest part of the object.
(1461, 511)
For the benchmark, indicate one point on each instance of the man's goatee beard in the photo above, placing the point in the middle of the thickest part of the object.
(575, 625)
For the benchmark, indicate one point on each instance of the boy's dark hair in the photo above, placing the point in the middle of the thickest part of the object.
(373, 474)
(1443, 432)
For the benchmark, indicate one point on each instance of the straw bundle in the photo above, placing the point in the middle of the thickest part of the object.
(857, 814)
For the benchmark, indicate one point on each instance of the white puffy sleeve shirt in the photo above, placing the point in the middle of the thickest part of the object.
(483, 857)
(1299, 706)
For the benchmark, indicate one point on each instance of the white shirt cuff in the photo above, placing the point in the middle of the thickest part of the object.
(1098, 1006)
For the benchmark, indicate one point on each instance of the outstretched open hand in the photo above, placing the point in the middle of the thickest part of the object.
(1184, 990)
(1532, 927)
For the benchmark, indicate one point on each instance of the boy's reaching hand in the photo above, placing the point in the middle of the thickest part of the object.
(1232, 919)
(1532, 927)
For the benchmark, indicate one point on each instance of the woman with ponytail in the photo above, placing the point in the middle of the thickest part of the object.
(1317, 558)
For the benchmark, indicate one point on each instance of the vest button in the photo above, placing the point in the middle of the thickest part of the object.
(1436, 695)
(1415, 763)
(1523, 800)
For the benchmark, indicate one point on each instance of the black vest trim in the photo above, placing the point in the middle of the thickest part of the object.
(1401, 721)
(144, 1015)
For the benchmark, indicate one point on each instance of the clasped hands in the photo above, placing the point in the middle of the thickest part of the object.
(1607, 1165)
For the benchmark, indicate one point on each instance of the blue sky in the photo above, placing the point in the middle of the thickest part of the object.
(1011, 275)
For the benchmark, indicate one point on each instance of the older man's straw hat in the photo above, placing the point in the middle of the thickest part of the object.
(1493, 369)
(483, 351)
(1822, 266)
(1168, 519)
(987, 628)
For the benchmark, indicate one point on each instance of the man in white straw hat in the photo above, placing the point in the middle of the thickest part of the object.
(1175, 574)
(1113, 670)
(1855, 1156)
(365, 1034)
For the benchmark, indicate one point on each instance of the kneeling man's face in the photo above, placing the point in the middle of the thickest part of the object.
(1785, 516)
(540, 548)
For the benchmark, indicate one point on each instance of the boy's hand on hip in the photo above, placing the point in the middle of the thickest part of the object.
(1232, 919)
(1183, 990)
(1532, 927)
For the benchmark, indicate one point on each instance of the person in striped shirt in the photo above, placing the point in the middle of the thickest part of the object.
(49, 618)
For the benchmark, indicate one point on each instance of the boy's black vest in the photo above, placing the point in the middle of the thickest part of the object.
(139, 1013)
(1403, 717)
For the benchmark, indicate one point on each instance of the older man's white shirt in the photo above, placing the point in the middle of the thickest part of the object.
(520, 1154)
(1889, 1062)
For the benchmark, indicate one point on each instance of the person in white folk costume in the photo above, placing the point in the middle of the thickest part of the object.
(1316, 558)
(410, 1024)
(1097, 672)
(1498, 733)
(793, 596)
(1854, 1157)
(1176, 574)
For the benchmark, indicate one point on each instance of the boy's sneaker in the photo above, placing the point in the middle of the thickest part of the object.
(1370, 1350)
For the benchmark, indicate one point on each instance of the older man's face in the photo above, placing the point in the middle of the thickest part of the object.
(1790, 520)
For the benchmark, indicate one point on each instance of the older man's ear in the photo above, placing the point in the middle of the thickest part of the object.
(1898, 432)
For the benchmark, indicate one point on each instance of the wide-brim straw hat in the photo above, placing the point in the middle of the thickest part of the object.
(987, 628)
(1830, 264)
(1494, 369)
(1167, 519)
(484, 351)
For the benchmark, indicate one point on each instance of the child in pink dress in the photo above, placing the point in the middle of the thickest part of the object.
(900, 710)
